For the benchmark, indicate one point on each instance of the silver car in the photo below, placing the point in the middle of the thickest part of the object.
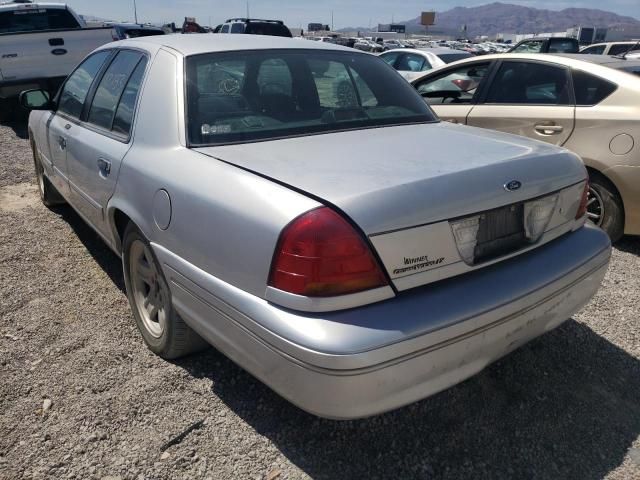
(350, 251)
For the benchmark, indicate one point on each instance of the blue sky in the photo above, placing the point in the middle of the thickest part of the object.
(300, 12)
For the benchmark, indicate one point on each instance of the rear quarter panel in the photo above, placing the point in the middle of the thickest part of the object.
(224, 220)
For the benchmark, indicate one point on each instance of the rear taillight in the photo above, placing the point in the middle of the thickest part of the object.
(584, 202)
(320, 254)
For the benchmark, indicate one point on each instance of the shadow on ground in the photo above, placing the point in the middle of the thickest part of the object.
(18, 123)
(564, 406)
(629, 244)
(102, 254)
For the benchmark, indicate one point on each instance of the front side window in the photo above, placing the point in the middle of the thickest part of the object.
(225, 29)
(456, 86)
(529, 83)
(453, 57)
(237, 28)
(595, 50)
(76, 88)
(110, 88)
(30, 20)
(619, 48)
(528, 47)
(258, 95)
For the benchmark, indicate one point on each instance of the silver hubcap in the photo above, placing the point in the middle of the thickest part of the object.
(595, 207)
(150, 292)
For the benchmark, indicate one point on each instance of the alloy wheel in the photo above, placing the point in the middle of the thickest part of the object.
(150, 291)
(595, 207)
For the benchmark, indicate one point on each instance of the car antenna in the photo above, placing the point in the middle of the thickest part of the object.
(623, 56)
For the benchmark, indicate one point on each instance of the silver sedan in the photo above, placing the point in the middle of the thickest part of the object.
(302, 209)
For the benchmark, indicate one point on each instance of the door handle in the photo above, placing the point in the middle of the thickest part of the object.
(62, 142)
(104, 167)
(548, 129)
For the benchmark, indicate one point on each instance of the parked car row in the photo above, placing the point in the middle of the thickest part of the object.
(299, 206)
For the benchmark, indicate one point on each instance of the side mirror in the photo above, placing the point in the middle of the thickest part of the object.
(36, 100)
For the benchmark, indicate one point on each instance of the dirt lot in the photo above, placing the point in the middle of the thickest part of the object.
(81, 397)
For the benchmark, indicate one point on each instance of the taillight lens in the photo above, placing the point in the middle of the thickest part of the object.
(320, 254)
(584, 202)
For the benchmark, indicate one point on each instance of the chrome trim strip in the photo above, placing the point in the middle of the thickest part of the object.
(327, 304)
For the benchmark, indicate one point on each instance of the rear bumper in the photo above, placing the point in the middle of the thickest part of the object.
(395, 364)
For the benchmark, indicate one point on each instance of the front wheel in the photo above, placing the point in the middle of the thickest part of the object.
(604, 207)
(162, 329)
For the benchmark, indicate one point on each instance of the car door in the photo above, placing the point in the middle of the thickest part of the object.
(102, 140)
(453, 92)
(60, 126)
(529, 98)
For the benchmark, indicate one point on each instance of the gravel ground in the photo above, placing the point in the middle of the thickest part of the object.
(81, 397)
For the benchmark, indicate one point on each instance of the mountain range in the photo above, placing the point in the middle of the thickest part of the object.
(498, 17)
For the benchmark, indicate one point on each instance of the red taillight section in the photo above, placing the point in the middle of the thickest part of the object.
(584, 202)
(320, 254)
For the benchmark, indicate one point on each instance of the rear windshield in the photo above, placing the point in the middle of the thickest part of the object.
(260, 95)
(141, 32)
(29, 20)
(453, 57)
(267, 28)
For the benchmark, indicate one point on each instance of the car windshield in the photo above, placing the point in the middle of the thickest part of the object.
(453, 57)
(29, 20)
(259, 95)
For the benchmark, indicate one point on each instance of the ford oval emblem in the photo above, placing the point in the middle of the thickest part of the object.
(58, 51)
(512, 186)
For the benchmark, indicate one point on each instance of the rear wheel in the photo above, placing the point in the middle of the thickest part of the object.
(162, 329)
(604, 207)
(48, 194)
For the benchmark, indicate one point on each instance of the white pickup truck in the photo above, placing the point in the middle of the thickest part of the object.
(40, 44)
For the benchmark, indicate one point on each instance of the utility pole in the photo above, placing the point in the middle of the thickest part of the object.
(248, 9)
(332, 20)
(135, 11)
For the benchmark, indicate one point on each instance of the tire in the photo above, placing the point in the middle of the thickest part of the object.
(605, 207)
(162, 329)
(48, 193)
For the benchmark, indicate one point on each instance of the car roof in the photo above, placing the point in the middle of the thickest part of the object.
(199, 43)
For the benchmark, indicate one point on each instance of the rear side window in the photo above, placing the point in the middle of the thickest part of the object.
(589, 89)
(563, 45)
(528, 47)
(76, 88)
(124, 115)
(111, 87)
(29, 20)
(411, 62)
(390, 57)
(267, 28)
(529, 84)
